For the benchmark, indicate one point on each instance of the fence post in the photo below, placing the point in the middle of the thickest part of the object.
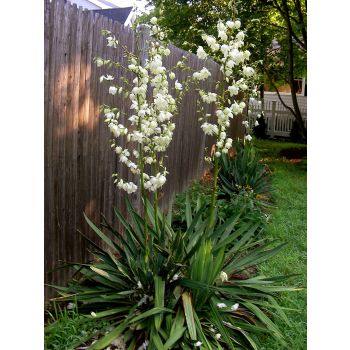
(273, 117)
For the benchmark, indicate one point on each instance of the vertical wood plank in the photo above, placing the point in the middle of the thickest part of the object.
(273, 118)
(47, 139)
(56, 240)
(81, 126)
(76, 59)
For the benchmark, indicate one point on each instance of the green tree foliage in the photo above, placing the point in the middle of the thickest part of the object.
(264, 22)
(276, 32)
(186, 20)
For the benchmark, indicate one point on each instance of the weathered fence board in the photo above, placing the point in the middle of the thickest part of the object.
(78, 158)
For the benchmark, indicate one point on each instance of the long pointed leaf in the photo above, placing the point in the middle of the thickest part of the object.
(187, 305)
(159, 286)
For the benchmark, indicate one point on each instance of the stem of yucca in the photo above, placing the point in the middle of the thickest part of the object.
(214, 193)
(143, 193)
(216, 171)
(155, 201)
(144, 196)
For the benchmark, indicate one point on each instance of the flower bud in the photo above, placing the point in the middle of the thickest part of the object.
(112, 90)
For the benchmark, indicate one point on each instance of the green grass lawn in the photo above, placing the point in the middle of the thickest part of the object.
(66, 330)
(288, 224)
(274, 148)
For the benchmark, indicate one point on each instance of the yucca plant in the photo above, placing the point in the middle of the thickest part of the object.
(161, 288)
(187, 293)
(243, 172)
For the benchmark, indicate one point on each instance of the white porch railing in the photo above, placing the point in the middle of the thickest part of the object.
(279, 119)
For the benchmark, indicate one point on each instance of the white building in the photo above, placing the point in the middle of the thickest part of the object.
(120, 14)
(94, 4)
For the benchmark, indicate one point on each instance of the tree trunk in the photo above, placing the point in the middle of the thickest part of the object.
(298, 116)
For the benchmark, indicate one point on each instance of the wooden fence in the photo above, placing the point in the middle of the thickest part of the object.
(78, 158)
(279, 119)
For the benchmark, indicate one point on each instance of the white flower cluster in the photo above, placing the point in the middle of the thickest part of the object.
(235, 307)
(112, 41)
(231, 55)
(209, 97)
(223, 276)
(228, 47)
(175, 278)
(150, 123)
(106, 77)
(221, 305)
(223, 143)
(201, 53)
(245, 123)
(210, 129)
(202, 74)
(154, 182)
(128, 187)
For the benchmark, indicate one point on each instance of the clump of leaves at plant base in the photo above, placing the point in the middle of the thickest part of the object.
(244, 172)
(186, 293)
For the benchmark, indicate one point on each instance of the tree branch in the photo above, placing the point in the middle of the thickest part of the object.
(300, 42)
(287, 17)
(278, 94)
(301, 19)
(277, 26)
(291, 71)
(283, 13)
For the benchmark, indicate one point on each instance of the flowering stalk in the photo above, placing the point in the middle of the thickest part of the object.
(237, 83)
(215, 175)
(142, 190)
(150, 120)
(155, 202)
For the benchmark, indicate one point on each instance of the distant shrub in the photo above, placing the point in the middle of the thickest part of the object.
(295, 133)
(259, 131)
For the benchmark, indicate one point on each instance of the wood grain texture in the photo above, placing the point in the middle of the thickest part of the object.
(78, 158)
